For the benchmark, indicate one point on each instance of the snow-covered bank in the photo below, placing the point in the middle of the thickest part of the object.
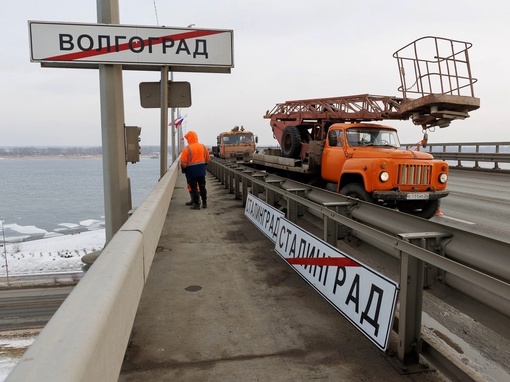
(51, 255)
(15, 233)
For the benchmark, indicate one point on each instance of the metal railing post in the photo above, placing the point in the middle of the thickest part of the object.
(411, 297)
(237, 187)
(330, 226)
(496, 163)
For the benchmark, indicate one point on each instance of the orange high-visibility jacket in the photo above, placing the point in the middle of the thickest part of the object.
(194, 157)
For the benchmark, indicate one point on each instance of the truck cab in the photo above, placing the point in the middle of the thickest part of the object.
(365, 161)
(235, 144)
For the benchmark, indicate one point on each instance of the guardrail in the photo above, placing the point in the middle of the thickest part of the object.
(86, 338)
(475, 264)
(471, 152)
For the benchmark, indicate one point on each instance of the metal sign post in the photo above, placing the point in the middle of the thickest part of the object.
(164, 122)
(172, 116)
(116, 187)
(5, 254)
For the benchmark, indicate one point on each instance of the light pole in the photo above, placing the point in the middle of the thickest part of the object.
(5, 254)
(172, 118)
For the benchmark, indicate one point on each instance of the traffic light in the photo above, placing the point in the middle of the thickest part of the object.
(133, 149)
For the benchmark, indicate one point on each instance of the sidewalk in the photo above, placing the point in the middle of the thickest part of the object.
(220, 305)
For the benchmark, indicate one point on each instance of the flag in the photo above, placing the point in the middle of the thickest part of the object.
(178, 121)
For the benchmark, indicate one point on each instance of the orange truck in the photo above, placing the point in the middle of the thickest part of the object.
(235, 144)
(335, 140)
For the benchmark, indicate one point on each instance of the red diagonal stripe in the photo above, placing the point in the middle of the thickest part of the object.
(125, 46)
(326, 261)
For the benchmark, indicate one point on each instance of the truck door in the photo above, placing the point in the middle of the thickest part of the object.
(333, 158)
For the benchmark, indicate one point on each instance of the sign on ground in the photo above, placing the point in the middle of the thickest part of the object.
(265, 217)
(363, 296)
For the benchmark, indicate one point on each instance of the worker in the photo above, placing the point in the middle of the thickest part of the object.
(194, 159)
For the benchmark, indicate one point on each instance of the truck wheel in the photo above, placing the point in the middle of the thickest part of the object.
(356, 191)
(424, 209)
(291, 142)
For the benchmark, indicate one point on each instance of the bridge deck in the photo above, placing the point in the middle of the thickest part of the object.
(220, 305)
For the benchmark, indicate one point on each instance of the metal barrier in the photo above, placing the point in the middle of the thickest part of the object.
(86, 339)
(479, 152)
(471, 259)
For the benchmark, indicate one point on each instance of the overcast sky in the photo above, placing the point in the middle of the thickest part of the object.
(283, 50)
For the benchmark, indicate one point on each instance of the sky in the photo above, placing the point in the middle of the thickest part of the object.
(283, 50)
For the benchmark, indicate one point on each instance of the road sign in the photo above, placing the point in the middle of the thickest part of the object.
(179, 94)
(138, 47)
(363, 296)
(265, 217)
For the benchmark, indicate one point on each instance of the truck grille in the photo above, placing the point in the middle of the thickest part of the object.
(410, 174)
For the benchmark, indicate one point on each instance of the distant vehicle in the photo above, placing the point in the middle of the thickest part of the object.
(235, 144)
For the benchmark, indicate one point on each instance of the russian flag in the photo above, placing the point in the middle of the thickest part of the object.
(178, 121)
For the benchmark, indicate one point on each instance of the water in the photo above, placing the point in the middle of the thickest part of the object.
(41, 197)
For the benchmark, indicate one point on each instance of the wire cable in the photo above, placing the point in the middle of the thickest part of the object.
(156, 12)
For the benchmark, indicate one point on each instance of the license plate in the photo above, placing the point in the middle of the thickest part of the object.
(417, 196)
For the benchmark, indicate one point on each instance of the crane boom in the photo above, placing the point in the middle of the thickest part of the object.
(436, 69)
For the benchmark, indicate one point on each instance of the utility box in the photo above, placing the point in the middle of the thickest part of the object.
(132, 140)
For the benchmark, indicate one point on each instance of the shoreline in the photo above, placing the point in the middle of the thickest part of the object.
(56, 157)
(38, 157)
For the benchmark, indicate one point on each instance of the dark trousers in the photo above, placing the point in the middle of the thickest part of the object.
(201, 192)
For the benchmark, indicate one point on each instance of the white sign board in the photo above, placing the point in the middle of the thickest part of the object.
(265, 217)
(366, 298)
(129, 45)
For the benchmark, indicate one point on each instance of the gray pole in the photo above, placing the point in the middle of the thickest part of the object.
(172, 117)
(163, 159)
(5, 254)
(179, 133)
(116, 188)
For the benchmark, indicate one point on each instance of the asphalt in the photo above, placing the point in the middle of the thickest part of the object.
(221, 305)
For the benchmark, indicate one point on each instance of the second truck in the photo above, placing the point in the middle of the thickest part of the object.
(335, 141)
(235, 144)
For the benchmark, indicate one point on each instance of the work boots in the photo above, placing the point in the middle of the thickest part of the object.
(190, 203)
(196, 202)
(195, 206)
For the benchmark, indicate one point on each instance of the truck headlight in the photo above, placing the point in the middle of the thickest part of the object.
(443, 178)
(384, 176)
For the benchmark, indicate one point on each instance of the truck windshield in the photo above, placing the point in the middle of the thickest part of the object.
(372, 137)
(238, 139)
